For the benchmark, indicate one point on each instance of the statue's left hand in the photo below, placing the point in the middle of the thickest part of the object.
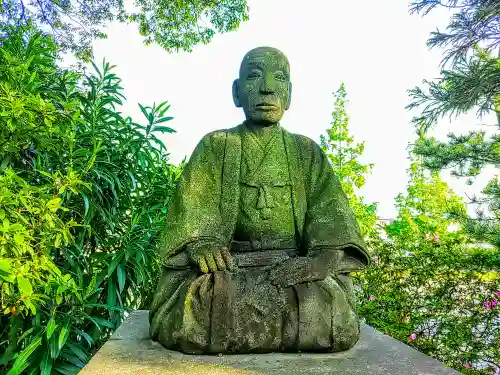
(298, 270)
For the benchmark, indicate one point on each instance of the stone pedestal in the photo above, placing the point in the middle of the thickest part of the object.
(130, 351)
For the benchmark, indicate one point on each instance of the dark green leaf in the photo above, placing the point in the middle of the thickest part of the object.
(114, 263)
(85, 202)
(86, 336)
(164, 129)
(143, 110)
(64, 334)
(121, 276)
(46, 364)
(21, 360)
(67, 369)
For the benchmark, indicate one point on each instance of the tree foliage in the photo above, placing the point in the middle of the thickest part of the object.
(83, 197)
(175, 25)
(470, 81)
(473, 82)
(344, 154)
(475, 22)
(430, 287)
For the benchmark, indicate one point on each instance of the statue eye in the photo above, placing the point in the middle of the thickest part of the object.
(254, 74)
(279, 75)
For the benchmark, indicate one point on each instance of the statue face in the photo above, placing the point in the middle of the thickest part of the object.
(264, 88)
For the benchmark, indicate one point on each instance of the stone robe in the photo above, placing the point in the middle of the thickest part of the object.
(267, 199)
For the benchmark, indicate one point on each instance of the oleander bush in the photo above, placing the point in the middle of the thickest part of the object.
(83, 193)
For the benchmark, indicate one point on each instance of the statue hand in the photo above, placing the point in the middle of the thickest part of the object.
(211, 259)
(298, 270)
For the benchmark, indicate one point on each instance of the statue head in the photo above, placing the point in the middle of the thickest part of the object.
(263, 88)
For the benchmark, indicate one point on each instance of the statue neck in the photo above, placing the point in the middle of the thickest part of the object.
(261, 129)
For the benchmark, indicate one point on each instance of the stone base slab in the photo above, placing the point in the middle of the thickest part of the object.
(130, 351)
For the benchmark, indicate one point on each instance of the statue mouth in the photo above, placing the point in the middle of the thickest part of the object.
(266, 106)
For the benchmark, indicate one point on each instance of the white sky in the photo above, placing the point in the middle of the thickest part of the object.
(375, 47)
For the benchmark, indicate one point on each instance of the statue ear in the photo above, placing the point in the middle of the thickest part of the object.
(289, 96)
(236, 93)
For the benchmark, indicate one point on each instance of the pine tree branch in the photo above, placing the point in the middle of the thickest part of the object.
(474, 82)
(476, 22)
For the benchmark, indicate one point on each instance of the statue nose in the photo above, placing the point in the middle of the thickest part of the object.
(267, 86)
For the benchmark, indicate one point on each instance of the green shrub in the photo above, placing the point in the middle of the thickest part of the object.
(431, 286)
(83, 197)
(441, 299)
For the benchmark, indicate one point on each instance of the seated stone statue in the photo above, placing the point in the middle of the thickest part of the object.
(260, 239)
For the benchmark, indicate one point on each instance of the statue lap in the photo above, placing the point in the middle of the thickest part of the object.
(242, 312)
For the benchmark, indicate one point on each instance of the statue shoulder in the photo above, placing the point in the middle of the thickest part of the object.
(306, 144)
(215, 141)
(215, 134)
(221, 134)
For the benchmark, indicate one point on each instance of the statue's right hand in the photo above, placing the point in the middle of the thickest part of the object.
(211, 259)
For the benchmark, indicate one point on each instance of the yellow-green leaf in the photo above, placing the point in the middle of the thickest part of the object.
(5, 265)
(54, 204)
(24, 286)
(19, 238)
(6, 224)
(51, 326)
(15, 227)
(30, 305)
(57, 243)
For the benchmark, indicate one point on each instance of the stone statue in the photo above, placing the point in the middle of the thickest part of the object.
(260, 239)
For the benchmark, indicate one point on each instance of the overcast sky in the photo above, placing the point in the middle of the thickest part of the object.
(375, 47)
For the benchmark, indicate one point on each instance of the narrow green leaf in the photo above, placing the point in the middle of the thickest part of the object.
(64, 334)
(121, 276)
(164, 129)
(101, 322)
(114, 263)
(85, 202)
(46, 364)
(24, 335)
(97, 70)
(78, 351)
(67, 369)
(144, 112)
(111, 293)
(21, 360)
(86, 336)
(162, 111)
(103, 306)
(164, 119)
(51, 326)
(72, 358)
(53, 347)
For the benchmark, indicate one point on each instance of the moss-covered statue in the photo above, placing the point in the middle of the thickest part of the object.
(260, 239)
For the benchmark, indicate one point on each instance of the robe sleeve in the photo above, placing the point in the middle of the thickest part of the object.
(193, 212)
(330, 223)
